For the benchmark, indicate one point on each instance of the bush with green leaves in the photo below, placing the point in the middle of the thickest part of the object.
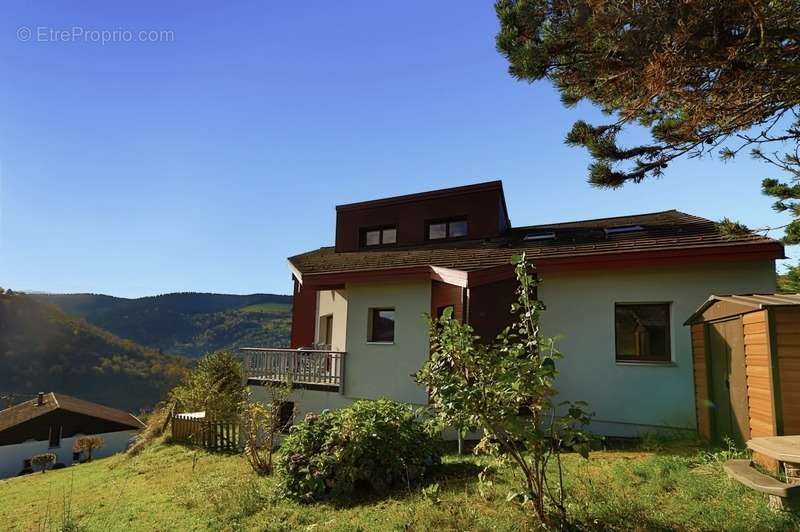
(214, 386)
(369, 446)
(507, 389)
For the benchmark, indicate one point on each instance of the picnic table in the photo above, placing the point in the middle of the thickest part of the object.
(785, 451)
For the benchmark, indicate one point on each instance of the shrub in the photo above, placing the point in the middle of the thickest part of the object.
(371, 445)
(43, 461)
(213, 386)
(507, 389)
(261, 425)
(88, 444)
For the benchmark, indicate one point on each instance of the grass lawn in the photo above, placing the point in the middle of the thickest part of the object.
(170, 487)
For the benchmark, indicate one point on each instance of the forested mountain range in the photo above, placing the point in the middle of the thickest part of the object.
(42, 348)
(188, 324)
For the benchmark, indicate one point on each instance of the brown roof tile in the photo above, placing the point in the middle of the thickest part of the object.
(668, 230)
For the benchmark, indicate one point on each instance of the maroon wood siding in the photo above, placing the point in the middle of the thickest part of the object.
(442, 295)
(489, 309)
(482, 206)
(304, 310)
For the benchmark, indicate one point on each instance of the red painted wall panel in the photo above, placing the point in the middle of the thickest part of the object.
(442, 295)
(490, 308)
(304, 310)
(484, 211)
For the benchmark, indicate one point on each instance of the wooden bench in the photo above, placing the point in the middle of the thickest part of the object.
(782, 496)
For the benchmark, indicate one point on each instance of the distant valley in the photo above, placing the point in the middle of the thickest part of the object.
(125, 353)
(187, 324)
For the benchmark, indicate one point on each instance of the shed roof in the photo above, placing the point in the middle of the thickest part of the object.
(739, 304)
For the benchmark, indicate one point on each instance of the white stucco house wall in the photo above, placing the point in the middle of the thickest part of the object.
(616, 290)
(52, 422)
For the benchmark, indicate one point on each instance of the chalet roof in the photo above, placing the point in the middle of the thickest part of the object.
(28, 410)
(660, 231)
(739, 304)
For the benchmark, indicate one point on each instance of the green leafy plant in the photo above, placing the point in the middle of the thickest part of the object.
(507, 388)
(213, 386)
(432, 493)
(43, 461)
(370, 445)
(88, 444)
(261, 425)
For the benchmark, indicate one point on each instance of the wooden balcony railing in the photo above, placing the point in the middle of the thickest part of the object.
(311, 368)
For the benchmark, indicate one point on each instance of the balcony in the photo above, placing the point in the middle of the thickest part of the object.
(314, 369)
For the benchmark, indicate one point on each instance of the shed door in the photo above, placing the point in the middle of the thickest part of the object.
(728, 381)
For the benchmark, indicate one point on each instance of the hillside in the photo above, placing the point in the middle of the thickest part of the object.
(188, 324)
(43, 348)
(173, 487)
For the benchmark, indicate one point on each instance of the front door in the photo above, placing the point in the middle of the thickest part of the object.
(728, 381)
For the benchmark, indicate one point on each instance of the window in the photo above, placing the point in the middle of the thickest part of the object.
(540, 236)
(447, 229)
(55, 437)
(285, 416)
(440, 311)
(381, 325)
(622, 229)
(642, 332)
(381, 236)
(325, 335)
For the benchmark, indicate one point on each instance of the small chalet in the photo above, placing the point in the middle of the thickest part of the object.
(52, 422)
(617, 291)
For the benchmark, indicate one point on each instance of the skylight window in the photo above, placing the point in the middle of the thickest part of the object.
(623, 229)
(549, 235)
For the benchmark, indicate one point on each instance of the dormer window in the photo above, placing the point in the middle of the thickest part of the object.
(441, 230)
(546, 235)
(623, 229)
(379, 236)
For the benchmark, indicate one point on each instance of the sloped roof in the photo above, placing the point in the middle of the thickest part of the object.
(28, 410)
(662, 231)
(747, 301)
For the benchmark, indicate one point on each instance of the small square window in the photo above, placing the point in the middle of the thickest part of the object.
(381, 325)
(379, 236)
(389, 236)
(457, 229)
(437, 231)
(448, 229)
(372, 238)
(642, 332)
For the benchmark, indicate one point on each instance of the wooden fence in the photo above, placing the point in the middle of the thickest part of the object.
(212, 435)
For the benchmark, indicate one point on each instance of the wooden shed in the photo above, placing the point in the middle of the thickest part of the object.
(746, 355)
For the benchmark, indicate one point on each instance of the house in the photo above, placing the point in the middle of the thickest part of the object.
(616, 291)
(52, 422)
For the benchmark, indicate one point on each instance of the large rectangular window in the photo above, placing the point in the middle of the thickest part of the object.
(447, 229)
(642, 332)
(381, 325)
(380, 236)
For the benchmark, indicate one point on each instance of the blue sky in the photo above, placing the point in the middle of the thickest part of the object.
(200, 161)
